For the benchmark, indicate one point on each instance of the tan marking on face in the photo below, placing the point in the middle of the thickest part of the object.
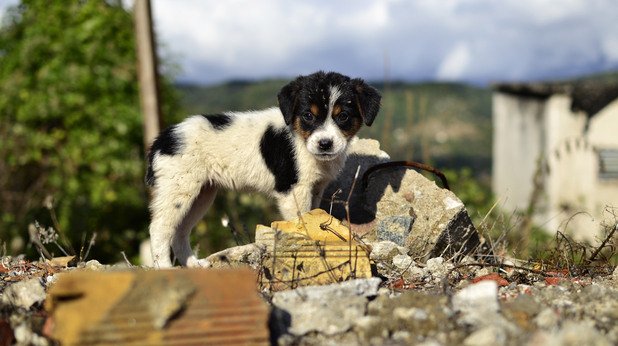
(336, 110)
(315, 110)
(299, 129)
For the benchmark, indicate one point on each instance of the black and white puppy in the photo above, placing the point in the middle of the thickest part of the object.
(290, 153)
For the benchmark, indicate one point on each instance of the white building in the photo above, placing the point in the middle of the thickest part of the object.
(556, 144)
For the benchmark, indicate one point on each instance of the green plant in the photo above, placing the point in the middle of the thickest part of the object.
(70, 123)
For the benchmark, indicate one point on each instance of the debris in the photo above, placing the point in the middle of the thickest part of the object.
(493, 277)
(478, 304)
(328, 309)
(6, 333)
(157, 306)
(426, 316)
(480, 295)
(403, 206)
(62, 262)
(238, 256)
(315, 249)
(384, 251)
(24, 294)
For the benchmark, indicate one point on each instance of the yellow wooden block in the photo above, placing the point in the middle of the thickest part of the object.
(313, 250)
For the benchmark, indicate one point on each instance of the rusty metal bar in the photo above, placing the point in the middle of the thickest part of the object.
(411, 164)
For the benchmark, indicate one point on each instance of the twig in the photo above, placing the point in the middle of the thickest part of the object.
(35, 239)
(605, 241)
(126, 259)
(90, 245)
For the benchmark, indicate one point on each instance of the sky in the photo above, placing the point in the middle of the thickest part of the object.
(473, 41)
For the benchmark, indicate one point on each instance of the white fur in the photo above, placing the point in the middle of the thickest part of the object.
(186, 183)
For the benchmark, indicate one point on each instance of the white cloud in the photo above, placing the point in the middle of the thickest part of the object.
(456, 63)
(472, 40)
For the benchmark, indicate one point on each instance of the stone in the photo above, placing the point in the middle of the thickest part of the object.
(24, 294)
(250, 255)
(394, 228)
(487, 336)
(425, 315)
(478, 304)
(402, 262)
(615, 274)
(438, 268)
(329, 309)
(384, 251)
(314, 249)
(479, 296)
(401, 205)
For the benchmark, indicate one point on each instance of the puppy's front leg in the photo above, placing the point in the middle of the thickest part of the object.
(296, 201)
(318, 193)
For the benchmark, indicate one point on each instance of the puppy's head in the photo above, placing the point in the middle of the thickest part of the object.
(327, 110)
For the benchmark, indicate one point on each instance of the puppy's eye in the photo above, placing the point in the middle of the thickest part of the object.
(307, 117)
(343, 117)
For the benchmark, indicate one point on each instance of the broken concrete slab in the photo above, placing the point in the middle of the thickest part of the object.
(402, 206)
(423, 316)
(23, 294)
(314, 249)
(328, 309)
(157, 307)
(250, 255)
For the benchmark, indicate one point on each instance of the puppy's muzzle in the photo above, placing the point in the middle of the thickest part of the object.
(325, 144)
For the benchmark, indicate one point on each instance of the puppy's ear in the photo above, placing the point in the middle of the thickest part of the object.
(367, 100)
(288, 99)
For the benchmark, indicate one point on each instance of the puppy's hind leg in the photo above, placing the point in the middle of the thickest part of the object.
(171, 203)
(180, 241)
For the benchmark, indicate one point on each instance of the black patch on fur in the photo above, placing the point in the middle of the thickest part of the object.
(167, 143)
(357, 98)
(219, 121)
(277, 150)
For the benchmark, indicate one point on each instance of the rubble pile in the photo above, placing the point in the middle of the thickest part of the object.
(409, 269)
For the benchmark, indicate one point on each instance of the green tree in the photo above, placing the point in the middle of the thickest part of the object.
(70, 125)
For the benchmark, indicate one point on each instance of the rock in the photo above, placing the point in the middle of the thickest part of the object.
(402, 206)
(438, 268)
(478, 304)
(25, 336)
(394, 228)
(547, 319)
(615, 274)
(572, 333)
(384, 251)
(424, 315)
(487, 336)
(328, 309)
(245, 255)
(402, 262)
(24, 294)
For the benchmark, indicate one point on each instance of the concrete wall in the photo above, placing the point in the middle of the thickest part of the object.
(519, 138)
(573, 198)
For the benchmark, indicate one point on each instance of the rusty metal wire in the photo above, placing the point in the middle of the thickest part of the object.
(397, 164)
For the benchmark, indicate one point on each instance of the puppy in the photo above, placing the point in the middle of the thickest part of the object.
(290, 153)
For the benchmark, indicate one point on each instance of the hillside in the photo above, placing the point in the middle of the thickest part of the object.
(444, 124)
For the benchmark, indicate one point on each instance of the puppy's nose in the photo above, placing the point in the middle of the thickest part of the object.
(325, 143)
